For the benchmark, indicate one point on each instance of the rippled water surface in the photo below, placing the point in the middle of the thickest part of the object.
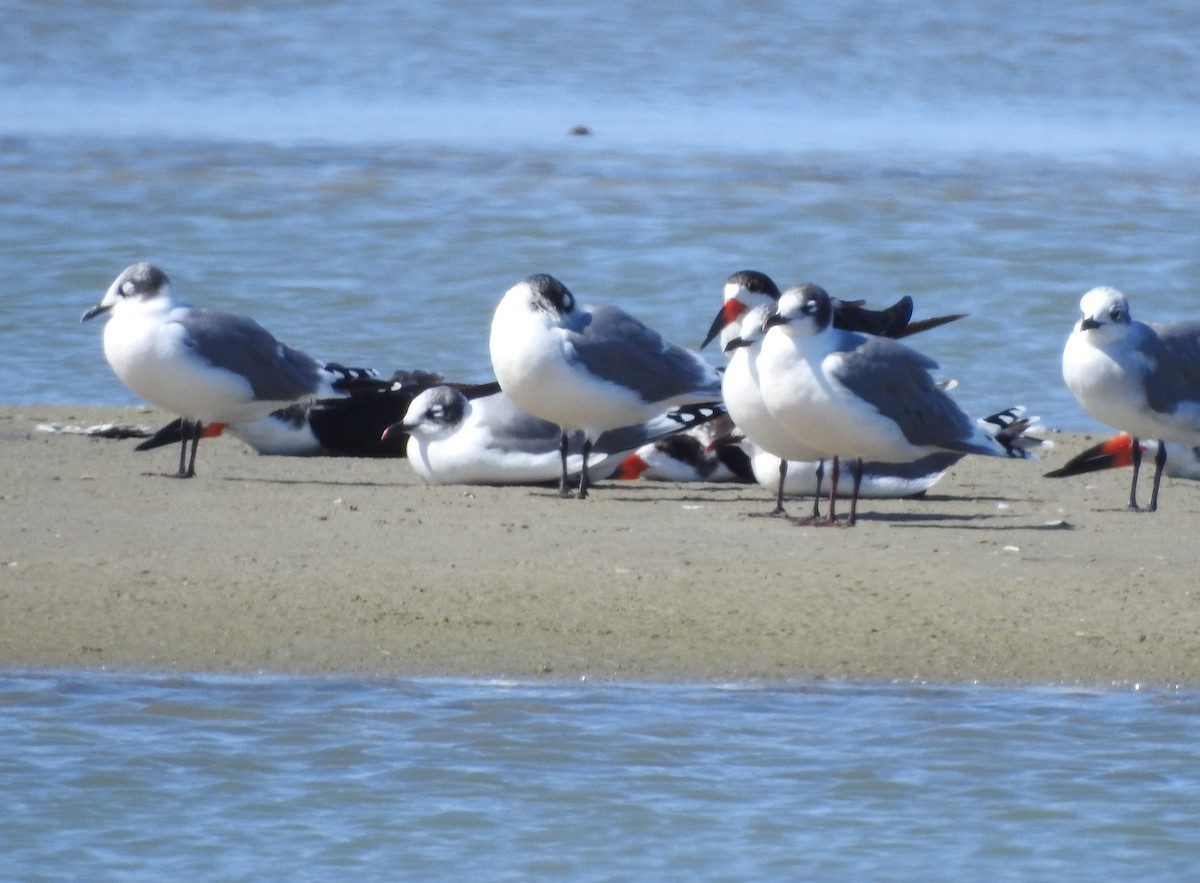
(152, 778)
(367, 179)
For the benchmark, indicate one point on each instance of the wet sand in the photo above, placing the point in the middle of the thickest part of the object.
(270, 564)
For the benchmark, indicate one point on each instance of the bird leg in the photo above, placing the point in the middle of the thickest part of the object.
(197, 431)
(778, 510)
(857, 471)
(816, 512)
(583, 475)
(1136, 453)
(835, 469)
(815, 517)
(564, 489)
(831, 517)
(1160, 460)
(188, 430)
(185, 426)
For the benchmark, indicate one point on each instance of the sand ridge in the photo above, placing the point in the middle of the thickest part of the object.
(354, 566)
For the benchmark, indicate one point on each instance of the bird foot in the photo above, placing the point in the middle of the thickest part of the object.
(818, 521)
(811, 521)
(778, 512)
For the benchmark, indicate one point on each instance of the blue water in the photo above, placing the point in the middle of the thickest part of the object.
(367, 179)
(109, 777)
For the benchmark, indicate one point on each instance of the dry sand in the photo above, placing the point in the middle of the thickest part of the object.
(354, 566)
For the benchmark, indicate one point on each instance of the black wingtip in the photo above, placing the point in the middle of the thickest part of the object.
(171, 434)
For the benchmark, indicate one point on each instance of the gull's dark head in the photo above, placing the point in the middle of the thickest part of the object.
(548, 294)
(141, 282)
(806, 309)
(436, 411)
(744, 290)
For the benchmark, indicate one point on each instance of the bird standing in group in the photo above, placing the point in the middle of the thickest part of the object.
(207, 366)
(743, 398)
(1143, 379)
(749, 296)
(588, 369)
(859, 396)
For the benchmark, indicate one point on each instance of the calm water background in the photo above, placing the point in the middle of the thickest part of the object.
(367, 179)
(178, 778)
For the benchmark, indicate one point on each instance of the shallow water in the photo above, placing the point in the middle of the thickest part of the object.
(149, 778)
(368, 180)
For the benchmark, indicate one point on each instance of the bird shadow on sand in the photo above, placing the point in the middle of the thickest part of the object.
(316, 482)
(665, 492)
(979, 521)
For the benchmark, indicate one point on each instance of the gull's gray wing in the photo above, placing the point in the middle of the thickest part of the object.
(897, 382)
(618, 348)
(513, 428)
(276, 372)
(1174, 353)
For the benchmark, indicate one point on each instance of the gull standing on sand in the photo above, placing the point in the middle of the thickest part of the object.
(751, 292)
(1143, 379)
(588, 370)
(743, 397)
(749, 297)
(859, 396)
(766, 436)
(207, 366)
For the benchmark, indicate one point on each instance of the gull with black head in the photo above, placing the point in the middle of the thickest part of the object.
(209, 367)
(588, 369)
(749, 297)
(859, 396)
(748, 289)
